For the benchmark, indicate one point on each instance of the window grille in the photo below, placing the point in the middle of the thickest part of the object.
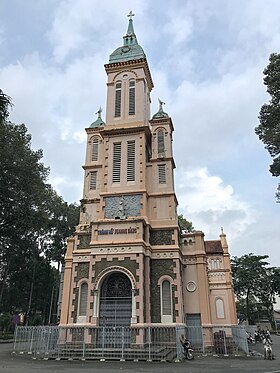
(83, 299)
(166, 298)
(161, 174)
(131, 161)
(92, 180)
(117, 162)
(160, 138)
(118, 100)
(94, 153)
(131, 110)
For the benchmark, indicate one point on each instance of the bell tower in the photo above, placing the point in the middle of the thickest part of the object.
(129, 83)
(128, 262)
(127, 238)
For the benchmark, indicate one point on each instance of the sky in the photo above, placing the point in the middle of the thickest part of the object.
(206, 59)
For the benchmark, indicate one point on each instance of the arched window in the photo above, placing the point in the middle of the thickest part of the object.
(220, 308)
(83, 299)
(94, 149)
(215, 264)
(160, 141)
(166, 302)
(118, 95)
(131, 98)
(82, 308)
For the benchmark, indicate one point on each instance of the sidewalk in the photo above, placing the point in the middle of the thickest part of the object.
(25, 364)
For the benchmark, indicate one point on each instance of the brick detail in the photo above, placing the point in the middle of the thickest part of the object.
(82, 270)
(159, 268)
(161, 237)
(75, 304)
(84, 241)
(127, 263)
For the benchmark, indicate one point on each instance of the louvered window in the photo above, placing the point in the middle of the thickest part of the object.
(94, 153)
(117, 162)
(160, 138)
(83, 299)
(131, 161)
(92, 180)
(118, 100)
(131, 110)
(161, 174)
(166, 298)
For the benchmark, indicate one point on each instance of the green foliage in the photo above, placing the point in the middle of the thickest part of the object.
(5, 322)
(184, 224)
(269, 117)
(5, 105)
(62, 225)
(255, 285)
(34, 224)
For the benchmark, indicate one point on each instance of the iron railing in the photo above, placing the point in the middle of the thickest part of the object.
(148, 343)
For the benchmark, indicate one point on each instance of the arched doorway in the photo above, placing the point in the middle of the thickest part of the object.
(115, 306)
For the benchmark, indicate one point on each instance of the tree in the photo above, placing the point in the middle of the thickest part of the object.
(255, 285)
(5, 105)
(269, 128)
(184, 224)
(22, 195)
(34, 224)
(62, 225)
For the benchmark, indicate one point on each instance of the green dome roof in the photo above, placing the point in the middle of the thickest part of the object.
(130, 50)
(99, 121)
(160, 113)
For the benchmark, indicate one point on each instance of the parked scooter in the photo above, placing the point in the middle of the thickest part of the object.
(267, 349)
(187, 348)
(258, 336)
(251, 339)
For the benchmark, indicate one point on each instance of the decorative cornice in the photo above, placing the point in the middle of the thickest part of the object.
(115, 130)
(142, 62)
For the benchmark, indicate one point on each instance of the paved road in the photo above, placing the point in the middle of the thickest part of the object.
(24, 364)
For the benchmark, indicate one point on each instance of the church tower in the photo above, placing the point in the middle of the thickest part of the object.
(127, 262)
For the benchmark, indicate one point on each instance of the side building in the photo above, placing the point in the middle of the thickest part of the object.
(128, 262)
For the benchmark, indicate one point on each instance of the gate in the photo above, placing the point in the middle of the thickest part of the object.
(115, 310)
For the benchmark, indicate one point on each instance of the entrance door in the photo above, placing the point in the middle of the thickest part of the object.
(115, 309)
(194, 329)
(115, 301)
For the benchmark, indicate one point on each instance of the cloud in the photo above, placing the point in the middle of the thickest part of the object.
(56, 105)
(206, 59)
(86, 27)
(205, 200)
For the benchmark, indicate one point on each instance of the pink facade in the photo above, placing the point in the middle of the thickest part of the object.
(128, 262)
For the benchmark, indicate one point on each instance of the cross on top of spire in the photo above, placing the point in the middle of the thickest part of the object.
(130, 15)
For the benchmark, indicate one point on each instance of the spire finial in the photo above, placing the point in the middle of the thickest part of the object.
(98, 122)
(160, 104)
(222, 230)
(160, 113)
(99, 111)
(130, 15)
(130, 29)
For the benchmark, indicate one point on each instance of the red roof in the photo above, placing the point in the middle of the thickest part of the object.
(213, 247)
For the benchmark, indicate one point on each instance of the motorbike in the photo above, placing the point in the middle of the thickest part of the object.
(187, 349)
(268, 355)
(251, 339)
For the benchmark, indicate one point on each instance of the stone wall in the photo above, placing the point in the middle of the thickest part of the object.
(159, 268)
(161, 237)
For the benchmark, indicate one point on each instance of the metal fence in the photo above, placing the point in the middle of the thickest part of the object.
(149, 343)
